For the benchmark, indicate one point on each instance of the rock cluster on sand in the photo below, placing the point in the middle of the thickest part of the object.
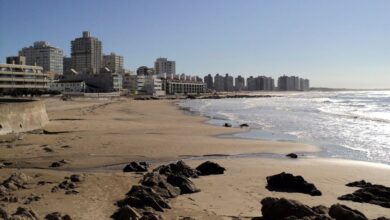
(163, 183)
(369, 193)
(136, 167)
(16, 181)
(69, 184)
(286, 209)
(286, 182)
(57, 216)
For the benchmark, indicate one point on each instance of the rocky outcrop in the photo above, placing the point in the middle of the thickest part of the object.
(210, 168)
(342, 212)
(369, 193)
(287, 209)
(179, 168)
(16, 181)
(244, 125)
(286, 182)
(275, 209)
(142, 197)
(186, 185)
(136, 167)
(159, 183)
(126, 212)
(24, 214)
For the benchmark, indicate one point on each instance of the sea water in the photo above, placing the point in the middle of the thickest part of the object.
(345, 124)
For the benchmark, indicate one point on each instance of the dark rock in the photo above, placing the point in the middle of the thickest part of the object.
(179, 168)
(126, 213)
(142, 196)
(320, 209)
(369, 193)
(136, 167)
(286, 182)
(76, 178)
(57, 216)
(292, 155)
(186, 185)
(275, 209)
(3, 214)
(67, 184)
(55, 189)
(9, 198)
(159, 183)
(227, 125)
(342, 212)
(56, 164)
(244, 125)
(210, 168)
(150, 216)
(25, 214)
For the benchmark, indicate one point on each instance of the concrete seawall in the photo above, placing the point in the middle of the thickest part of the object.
(21, 115)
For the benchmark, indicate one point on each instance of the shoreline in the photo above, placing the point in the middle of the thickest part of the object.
(116, 132)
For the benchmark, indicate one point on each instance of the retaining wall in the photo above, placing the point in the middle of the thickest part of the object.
(22, 115)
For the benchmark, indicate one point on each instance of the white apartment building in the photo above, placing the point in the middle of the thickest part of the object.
(149, 85)
(42, 54)
(163, 65)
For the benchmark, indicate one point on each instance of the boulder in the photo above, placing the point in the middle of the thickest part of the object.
(186, 185)
(227, 125)
(244, 125)
(142, 196)
(179, 168)
(292, 155)
(342, 212)
(25, 214)
(136, 167)
(369, 193)
(210, 168)
(286, 182)
(275, 209)
(57, 216)
(76, 178)
(126, 213)
(159, 183)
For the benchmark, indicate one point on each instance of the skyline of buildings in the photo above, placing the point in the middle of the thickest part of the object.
(89, 64)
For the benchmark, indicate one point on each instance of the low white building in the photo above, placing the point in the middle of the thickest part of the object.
(149, 85)
(68, 86)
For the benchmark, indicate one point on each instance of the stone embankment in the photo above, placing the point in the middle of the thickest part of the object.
(17, 115)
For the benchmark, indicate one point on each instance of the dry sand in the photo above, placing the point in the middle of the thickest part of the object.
(99, 136)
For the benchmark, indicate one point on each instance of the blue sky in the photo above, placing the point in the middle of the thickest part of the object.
(334, 43)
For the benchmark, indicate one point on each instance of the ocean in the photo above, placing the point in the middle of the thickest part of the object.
(344, 124)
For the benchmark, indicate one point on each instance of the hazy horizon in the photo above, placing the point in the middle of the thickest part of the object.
(335, 44)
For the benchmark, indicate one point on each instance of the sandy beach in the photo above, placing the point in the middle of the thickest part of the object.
(98, 137)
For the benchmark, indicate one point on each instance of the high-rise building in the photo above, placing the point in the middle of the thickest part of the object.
(44, 55)
(113, 62)
(239, 83)
(293, 83)
(67, 64)
(219, 83)
(163, 65)
(251, 83)
(228, 83)
(86, 54)
(208, 80)
(18, 60)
